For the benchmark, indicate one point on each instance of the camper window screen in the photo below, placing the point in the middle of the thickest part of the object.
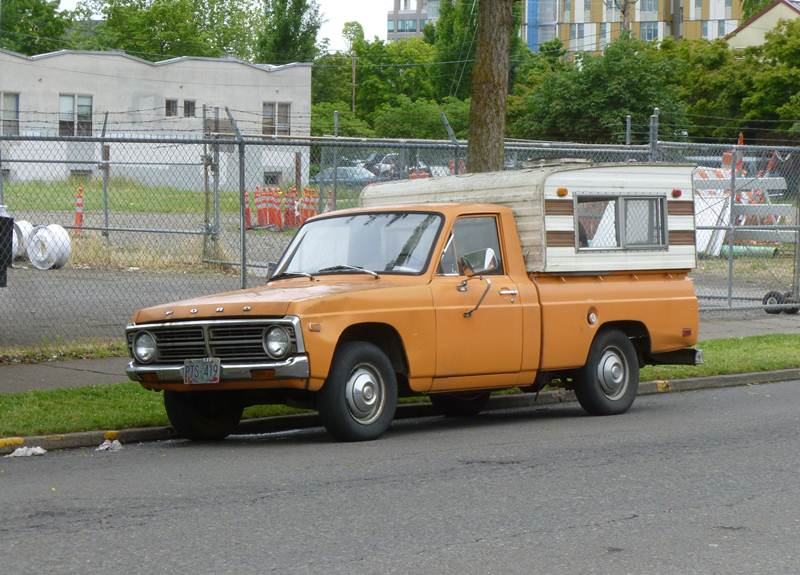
(613, 223)
(597, 223)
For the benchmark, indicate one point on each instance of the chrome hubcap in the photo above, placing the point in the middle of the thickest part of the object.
(612, 373)
(365, 394)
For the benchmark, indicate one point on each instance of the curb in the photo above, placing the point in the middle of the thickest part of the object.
(404, 411)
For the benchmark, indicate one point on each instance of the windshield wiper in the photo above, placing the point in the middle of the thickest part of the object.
(343, 267)
(284, 275)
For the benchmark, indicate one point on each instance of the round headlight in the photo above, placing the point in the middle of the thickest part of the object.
(277, 342)
(144, 347)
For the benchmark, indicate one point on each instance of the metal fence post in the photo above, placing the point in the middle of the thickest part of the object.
(454, 140)
(215, 172)
(734, 160)
(335, 156)
(242, 200)
(628, 130)
(2, 194)
(654, 135)
(105, 159)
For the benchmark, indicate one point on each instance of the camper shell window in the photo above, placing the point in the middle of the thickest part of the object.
(612, 222)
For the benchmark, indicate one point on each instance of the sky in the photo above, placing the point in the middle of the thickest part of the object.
(370, 13)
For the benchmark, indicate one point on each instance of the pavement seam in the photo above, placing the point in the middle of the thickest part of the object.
(404, 411)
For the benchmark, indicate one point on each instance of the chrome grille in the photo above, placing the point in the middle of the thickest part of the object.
(228, 341)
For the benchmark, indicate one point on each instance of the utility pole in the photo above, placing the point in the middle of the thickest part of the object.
(487, 113)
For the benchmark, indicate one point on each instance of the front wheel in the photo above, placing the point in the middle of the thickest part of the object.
(202, 416)
(359, 398)
(608, 383)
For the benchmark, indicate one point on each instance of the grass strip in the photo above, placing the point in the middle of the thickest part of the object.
(123, 405)
(58, 350)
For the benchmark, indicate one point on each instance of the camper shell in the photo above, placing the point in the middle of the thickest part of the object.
(576, 217)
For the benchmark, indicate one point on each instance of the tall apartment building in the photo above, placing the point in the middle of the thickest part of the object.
(589, 25)
(409, 18)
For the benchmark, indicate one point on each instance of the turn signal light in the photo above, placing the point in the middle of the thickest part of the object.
(677, 193)
(561, 192)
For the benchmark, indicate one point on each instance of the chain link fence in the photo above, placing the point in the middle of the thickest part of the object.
(105, 225)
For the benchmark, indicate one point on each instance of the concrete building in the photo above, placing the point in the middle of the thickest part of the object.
(68, 93)
(754, 30)
(409, 17)
(589, 25)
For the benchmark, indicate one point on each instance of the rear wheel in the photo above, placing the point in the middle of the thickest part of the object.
(359, 398)
(460, 404)
(202, 416)
(608, 383)
(788, 297)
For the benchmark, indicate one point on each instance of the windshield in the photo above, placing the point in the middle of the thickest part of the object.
(388, 242)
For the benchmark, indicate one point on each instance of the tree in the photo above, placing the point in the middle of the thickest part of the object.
(421, 118)
(289, 31)
(158, 29)
(490, 86)
(752, 7)
(455, 33)
(32, 26)
(349, 124)
(587, 99)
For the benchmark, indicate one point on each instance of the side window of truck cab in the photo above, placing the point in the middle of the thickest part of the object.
(472, 237)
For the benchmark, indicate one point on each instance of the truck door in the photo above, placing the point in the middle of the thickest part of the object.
(472, 274)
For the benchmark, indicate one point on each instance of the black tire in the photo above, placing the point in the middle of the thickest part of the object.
(202, 416)
(359, 398)
(788, 297)
(460, 404)
(608, 383)
(771, 300)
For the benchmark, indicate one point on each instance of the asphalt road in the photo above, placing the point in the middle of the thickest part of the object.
(701, 482)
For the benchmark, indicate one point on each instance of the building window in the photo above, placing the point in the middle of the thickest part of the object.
(649, 10)
(704, 29)
(433, 9)
(575, 31)
(390, 26)
(587, 11)
(729, 9)
(698, 10)
(276, 119)
(629, 223)
(567, 10)
(188, 109)
(171, 108)
(721, 29)
(406, 25)
(603, 32)
(648, 30)
(272, 178)
(9, 114)
(70, 108)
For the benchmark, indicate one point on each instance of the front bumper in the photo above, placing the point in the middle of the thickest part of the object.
(295, 367)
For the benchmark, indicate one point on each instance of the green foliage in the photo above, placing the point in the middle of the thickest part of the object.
(421, 118)
(289, 31)
(159, 29)
(350, 125)
(32, 26)
(588, 98)
(752, 7)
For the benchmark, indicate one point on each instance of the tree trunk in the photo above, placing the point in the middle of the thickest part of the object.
(487, 114)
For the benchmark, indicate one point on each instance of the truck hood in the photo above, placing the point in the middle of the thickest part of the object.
(269, 300)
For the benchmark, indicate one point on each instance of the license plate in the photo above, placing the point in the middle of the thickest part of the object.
(201, 371)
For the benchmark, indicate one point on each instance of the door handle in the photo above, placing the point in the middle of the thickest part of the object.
(508, 291)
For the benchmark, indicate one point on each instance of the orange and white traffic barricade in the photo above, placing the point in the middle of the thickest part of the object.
(290, 208)
(247, 221)
(78, 224)
(311, 201)
(262, 214)
(274, 208)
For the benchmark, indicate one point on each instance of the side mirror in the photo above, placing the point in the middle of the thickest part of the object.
(478, 263)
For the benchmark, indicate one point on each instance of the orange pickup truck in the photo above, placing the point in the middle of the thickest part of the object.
(573, 273)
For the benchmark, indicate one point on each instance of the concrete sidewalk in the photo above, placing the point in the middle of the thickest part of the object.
(80, 372)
